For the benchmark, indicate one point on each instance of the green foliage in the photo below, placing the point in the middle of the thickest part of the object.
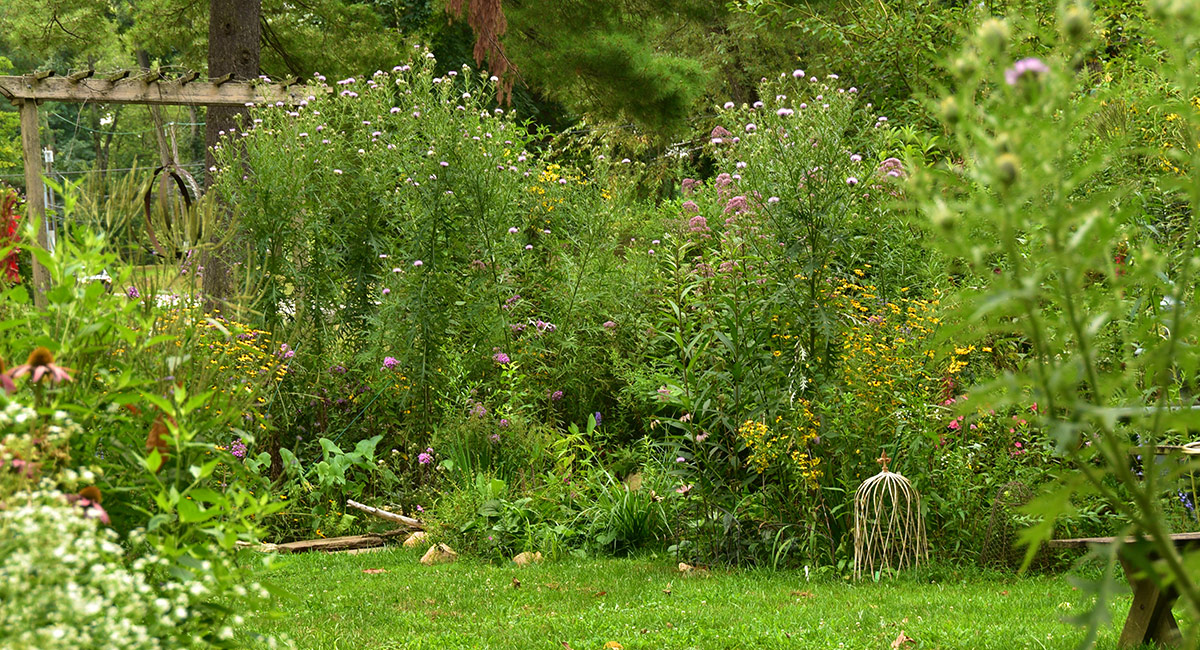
(1102, 303)
(154, 447)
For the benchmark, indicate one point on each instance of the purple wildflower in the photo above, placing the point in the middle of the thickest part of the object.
(556, 395)
(132, 292)
(737, 205)
(892, 167)
(238, 448)
(389, 363)
(1032, 66)
(609, 325)
(426, 456)
(501, 358)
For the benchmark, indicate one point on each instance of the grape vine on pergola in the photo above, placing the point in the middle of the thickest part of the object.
(124, 87)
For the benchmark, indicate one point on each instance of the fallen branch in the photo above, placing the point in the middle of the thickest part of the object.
(384, 514)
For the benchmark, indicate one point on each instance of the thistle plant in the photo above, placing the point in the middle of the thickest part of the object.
(1102, 301)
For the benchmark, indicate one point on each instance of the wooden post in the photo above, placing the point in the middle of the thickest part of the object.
(34, 195)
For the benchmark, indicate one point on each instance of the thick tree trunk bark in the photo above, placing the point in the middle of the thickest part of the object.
(233, 47)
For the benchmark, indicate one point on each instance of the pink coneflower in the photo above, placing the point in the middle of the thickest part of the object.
(39, 365)
(6, 382)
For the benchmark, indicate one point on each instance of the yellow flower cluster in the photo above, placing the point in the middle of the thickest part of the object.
(777, 447)
(886, 346)
(544, 189)
(236, 360)
(1173, 133)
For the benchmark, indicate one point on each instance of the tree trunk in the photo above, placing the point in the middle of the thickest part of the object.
(233, 47)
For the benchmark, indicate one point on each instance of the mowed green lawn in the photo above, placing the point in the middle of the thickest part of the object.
(646, 603)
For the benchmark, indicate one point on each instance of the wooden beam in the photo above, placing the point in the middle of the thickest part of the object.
(35, 203)
(117, 76)
(81, 75)
(384, 514)
(43, 74)
(135, 91)
(223, 79)
(151, 76)
(188, 78)
(330, 544)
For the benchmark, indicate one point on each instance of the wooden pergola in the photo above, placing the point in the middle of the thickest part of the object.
(124, 87)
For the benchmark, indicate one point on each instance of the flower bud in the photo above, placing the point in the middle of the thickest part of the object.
(949, 109)
(1003, 143)
(942, 217)
(1007, 168)
(966, 66)
(994, 35)
(1076, 23)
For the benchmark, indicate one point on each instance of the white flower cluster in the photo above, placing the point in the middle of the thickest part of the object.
(64, 584)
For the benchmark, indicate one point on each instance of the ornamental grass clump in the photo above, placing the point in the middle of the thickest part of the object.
(889, 531)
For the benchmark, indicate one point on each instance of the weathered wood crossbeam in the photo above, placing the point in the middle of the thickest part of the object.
(118, 89)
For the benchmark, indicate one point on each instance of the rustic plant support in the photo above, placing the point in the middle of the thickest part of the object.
(384, 514)
(889, 531)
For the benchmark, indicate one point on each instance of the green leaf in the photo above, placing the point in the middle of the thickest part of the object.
(154, 461)
(190, 512)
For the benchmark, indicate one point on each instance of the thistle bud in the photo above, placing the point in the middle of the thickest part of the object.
(965, 66)
(949, 110)
(1075, 23)
(942, 217)
(1007, 168)
(994, 35)
(1003, 143)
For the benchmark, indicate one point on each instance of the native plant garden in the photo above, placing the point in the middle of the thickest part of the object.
(549, 329)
